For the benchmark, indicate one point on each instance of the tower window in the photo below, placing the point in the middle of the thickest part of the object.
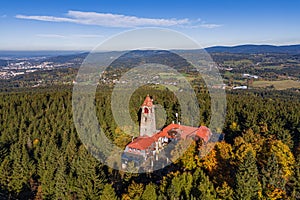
(146, 110)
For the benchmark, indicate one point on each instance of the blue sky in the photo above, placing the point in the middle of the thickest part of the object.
(81, 25)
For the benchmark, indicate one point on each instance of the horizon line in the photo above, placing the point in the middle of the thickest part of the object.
(84, 50)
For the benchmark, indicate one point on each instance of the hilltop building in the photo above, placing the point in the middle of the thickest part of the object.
(151, 141)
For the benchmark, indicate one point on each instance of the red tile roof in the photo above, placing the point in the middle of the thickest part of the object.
(204, 133)
(143, 142)
(148, 102)
(164, 132)
(187, 131)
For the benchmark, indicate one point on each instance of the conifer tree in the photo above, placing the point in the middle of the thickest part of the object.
(135, 191)
(22, 169)
(180, 186)
(246, 181)
(108, 193)
(149, 192)
(47, 169)
(295, 181)
(224, 192)
(285, 136)
(90, 178)
(174, 190)
(60, 180)
(273, 182)
(5, 175)
(202, 187)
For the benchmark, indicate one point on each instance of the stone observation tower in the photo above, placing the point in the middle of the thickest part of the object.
(148, 125)
(145, 150)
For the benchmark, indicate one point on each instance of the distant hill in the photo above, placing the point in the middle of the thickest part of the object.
(67, 58)
(138, 57)
(255, 49)
(3, 63)
(30, 54)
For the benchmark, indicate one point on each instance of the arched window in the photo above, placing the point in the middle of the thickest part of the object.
(146, 110)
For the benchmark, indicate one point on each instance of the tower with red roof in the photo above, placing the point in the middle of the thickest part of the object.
(147, 123)
(151, 142)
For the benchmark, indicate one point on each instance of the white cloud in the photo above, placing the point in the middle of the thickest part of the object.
(46, 18)
(87, 36)
(50, 36)
(69, 36)
(199, 23)
(115, 20)
(106, 19)
(210, 25)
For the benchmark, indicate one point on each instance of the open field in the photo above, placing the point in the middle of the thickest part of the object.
(277, 67)
(279, 85)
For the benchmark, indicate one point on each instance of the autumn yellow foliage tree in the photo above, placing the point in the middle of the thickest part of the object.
(187, 159)
(218, 162)
(285, 157)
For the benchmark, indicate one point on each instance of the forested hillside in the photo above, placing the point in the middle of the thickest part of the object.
(42, 156)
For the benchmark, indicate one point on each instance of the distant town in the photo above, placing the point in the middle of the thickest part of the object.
(239, 71)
